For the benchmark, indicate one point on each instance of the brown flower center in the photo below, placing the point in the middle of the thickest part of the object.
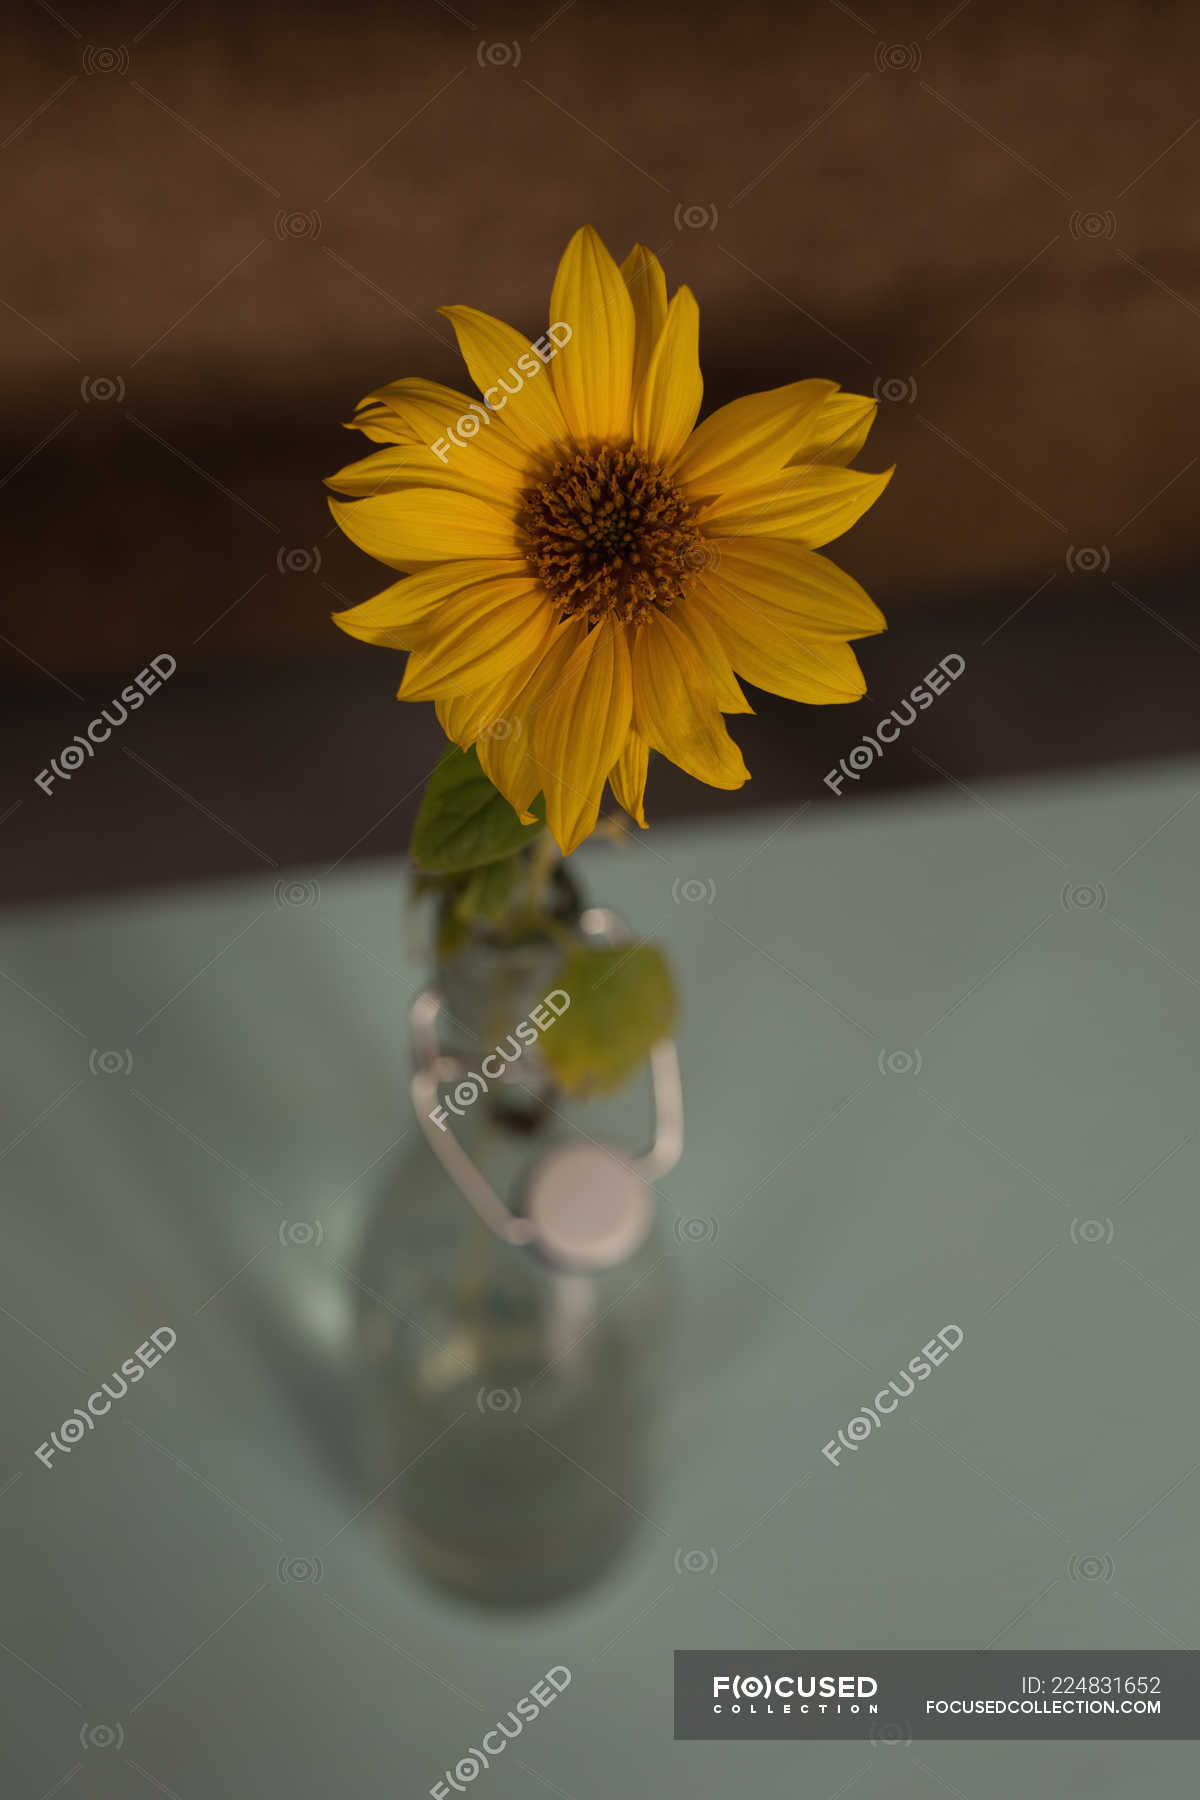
(606, 532)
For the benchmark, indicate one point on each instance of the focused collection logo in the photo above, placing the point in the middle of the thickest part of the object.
(467, 1091)
(495, 398)
(918, 1368)
(827, 1692)
(527, 1710)
(72, 756)
(73, 1430)
(853, 766)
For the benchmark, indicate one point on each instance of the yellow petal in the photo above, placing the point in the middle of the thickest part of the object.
(411, 411)
(628, 777)
(643, 275)
(481, 634)
(395, 616)
(675, 708)
(593, 373)
(670, 396)
(415, 411)
(463, 470)
(505, 749)
(511, 376)
(814, 598)
(464, 717)
(452, 716)
(839, 431)
(425, 525)
(749, 439)
(764, 648)
(580, 730)
(810, 503)
(694, 621)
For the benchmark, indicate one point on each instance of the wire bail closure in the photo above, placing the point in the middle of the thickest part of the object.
(435, 1069)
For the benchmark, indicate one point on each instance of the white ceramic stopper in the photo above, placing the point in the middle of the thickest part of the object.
(589, 1209)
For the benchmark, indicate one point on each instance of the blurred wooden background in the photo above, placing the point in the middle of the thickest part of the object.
(226, 224)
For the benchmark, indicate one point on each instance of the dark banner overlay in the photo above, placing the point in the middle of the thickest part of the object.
(902, 1696)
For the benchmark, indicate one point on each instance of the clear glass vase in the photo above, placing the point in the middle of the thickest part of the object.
(512, 1306)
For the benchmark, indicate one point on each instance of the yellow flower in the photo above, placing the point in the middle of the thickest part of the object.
(587, 570)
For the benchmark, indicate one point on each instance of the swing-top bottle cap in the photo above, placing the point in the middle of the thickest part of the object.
(589, 1209)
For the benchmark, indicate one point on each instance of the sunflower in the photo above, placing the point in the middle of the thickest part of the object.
(587, 571)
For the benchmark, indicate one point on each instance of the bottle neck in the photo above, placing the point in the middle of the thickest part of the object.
(500, 993)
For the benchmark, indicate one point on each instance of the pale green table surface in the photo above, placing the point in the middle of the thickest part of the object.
(940, 1061)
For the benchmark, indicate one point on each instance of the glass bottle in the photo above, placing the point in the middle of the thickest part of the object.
(512, 1297)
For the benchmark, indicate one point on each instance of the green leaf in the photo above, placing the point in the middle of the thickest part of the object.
(622, 1002)
(486, 892)
(463, 822)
